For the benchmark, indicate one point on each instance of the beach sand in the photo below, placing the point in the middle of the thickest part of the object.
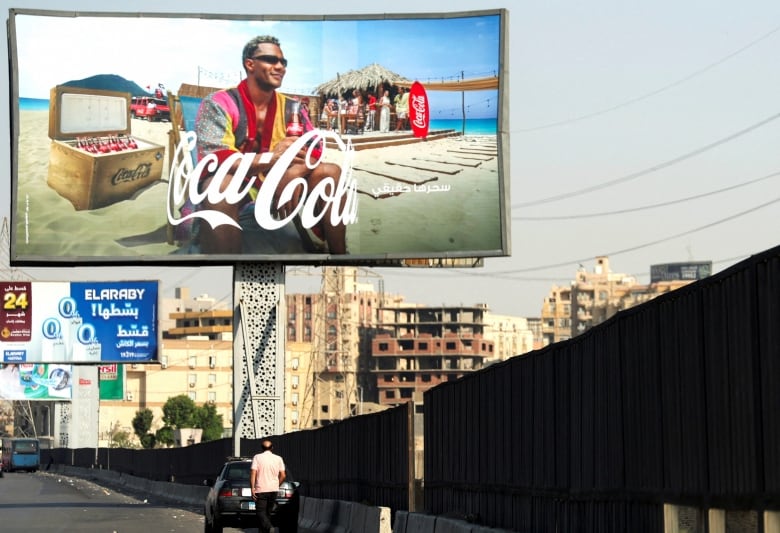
(434, 197)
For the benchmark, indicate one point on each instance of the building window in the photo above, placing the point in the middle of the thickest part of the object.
(294, 398)
(212, 396)
(192, 395)
(164, 361)
(294, 381)
(383, 346)
(193, 361)
(294, 363)
(390, 394)
(192, 379)
(212, 380)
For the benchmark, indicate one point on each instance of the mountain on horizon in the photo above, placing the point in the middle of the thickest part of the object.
(109, 82)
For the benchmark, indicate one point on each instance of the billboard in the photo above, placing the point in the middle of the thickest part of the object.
(36, 381)
(112, 382)
(690, 271)
(206, 150)
(78, 322)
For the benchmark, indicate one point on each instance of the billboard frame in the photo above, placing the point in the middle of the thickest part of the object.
(399, 258)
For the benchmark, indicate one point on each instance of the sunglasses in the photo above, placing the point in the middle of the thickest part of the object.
(271, 59)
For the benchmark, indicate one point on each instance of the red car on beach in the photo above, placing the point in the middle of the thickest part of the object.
(150, 108)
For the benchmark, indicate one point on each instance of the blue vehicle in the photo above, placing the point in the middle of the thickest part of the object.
(21, 454)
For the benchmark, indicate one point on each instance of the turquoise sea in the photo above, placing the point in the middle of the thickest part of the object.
(474, 126)
(33, 104)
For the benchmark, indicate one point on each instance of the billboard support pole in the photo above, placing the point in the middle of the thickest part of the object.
(258, 351)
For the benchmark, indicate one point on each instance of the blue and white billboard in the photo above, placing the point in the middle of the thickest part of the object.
(79, 322)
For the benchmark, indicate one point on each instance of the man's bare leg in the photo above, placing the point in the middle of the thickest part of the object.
(224, 239)
(335, 235)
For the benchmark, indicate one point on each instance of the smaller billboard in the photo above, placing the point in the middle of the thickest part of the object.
(690, 271)
(36, 381)
(112, 383)
(78, 322)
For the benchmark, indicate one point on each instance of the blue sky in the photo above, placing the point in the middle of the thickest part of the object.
(420, 49)
(612, 106)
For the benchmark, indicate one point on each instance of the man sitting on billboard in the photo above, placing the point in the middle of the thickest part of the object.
(251, 119)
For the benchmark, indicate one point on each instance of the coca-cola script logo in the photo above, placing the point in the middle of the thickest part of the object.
(183, 185)
(418, 104)
(125, 175)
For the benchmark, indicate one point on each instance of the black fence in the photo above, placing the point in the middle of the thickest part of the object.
(363, 459)
(674, 401)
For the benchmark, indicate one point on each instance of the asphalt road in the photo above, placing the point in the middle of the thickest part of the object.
(54, 503)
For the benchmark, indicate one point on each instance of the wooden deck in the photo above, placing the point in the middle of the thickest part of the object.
(374, 139)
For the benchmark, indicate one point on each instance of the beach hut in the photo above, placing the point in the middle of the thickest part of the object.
(369, 77)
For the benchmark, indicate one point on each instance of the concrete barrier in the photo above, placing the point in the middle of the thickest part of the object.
(420, 523)
(399, 524)
(406, 522)
(336, 516)
(307, 513)
(451, 525)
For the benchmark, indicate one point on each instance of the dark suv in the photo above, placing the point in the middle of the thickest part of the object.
(229, 502)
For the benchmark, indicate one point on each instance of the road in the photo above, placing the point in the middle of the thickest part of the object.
(54, 503)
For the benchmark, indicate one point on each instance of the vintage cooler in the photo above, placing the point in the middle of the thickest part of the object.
(92, 180)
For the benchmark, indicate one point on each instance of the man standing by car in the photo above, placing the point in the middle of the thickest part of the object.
(266, 474)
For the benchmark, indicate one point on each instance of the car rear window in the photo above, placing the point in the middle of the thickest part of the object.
(238, 472)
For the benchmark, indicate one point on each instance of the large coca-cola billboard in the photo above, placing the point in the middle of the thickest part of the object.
(274, 149)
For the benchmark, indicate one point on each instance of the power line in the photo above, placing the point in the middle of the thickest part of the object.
(646, 207)
(654, 168)
(506, 274)
(651, 243)
(656, 91)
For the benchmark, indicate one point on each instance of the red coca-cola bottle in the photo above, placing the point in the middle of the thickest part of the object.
(295, 126)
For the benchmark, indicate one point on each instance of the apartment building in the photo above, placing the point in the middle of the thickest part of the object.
(335, 325)
(421, 347)
(200, 368)
(196, 359)
(594, 297)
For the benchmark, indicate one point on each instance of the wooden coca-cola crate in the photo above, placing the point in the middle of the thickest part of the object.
(92, 180)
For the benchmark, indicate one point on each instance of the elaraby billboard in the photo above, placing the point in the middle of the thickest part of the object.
(78, 322)
(341, 140)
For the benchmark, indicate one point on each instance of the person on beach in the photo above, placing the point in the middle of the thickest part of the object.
(265, 475)
(384, 112)
(251, 118)
(401, 109)
(371, 114)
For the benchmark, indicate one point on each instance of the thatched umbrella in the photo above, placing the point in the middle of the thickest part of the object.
(371, 76)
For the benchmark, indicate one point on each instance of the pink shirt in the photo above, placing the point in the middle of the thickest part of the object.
(267, 466)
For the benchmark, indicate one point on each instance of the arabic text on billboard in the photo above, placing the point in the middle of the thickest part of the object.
(78, 322)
